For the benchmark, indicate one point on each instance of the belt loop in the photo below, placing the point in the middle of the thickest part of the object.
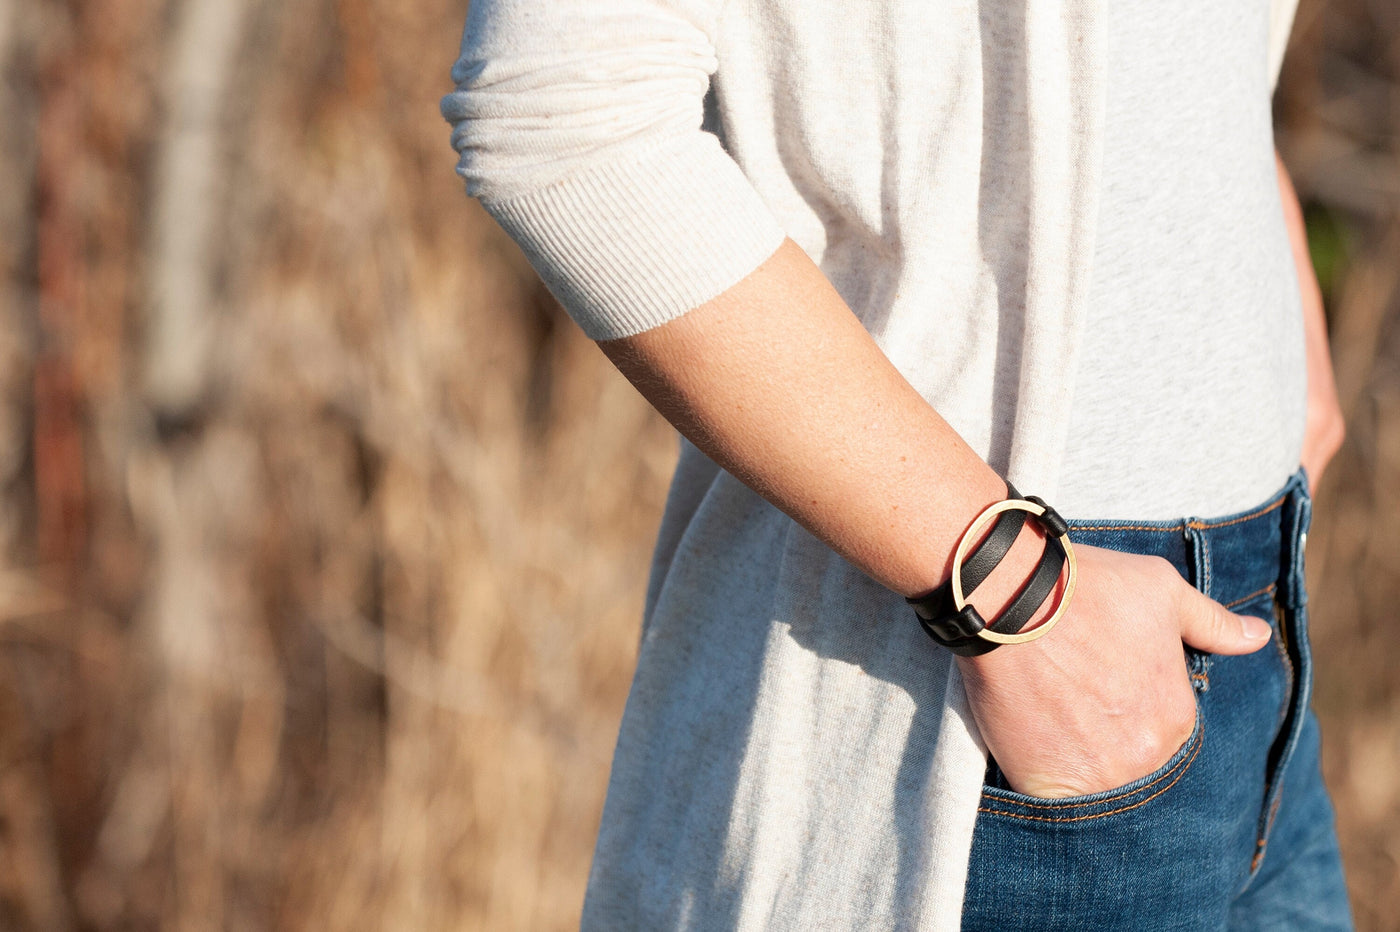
(1198, 554)
(1198, 562)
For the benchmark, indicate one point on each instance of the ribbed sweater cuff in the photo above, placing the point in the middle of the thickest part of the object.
(629, 244)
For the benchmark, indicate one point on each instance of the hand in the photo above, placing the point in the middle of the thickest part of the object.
(1105, 697)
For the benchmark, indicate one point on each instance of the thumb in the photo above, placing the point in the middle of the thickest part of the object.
(1207, 625)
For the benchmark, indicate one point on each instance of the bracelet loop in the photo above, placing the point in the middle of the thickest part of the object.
(1054, 525)
(948, 618)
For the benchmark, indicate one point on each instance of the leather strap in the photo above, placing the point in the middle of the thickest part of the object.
(992, 548)
(1035, 590)
(957, 629)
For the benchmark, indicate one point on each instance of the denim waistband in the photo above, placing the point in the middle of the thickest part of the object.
(1233, 558)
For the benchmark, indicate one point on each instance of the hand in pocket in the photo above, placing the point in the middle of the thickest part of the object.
(1105, 698)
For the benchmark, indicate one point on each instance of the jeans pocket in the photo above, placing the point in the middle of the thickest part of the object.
(998, 800)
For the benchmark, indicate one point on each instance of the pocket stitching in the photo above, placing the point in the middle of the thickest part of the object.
(1178, 769)
(1245, 600)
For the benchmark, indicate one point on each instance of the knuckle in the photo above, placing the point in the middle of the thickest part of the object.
(1158, 746)
(1161, 570)
(1147, 754)
(1150, 753)
(1160, 564)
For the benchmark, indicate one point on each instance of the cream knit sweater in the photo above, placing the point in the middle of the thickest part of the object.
(794, 754)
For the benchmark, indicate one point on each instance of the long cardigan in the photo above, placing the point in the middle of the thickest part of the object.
(793, 754)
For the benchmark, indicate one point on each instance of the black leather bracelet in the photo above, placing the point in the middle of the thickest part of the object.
(959, 627)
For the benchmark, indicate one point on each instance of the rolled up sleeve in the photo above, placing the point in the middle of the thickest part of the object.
(578, 127)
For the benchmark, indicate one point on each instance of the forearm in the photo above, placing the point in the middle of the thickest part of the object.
(635, 231)
(1298, 240)
(1325, 428)
(778, 382)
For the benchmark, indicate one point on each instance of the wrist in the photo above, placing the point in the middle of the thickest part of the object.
(950, 615)
(1000, 588)
(995, 593)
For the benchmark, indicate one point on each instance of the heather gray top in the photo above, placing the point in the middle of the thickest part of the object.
(795, 753)
(1191, 392)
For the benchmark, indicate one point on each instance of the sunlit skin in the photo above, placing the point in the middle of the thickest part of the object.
(1325, 429)
(778, 382)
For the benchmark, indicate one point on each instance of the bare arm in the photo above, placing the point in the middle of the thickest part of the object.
(779, 383)
(1325, 429)
(579, 127)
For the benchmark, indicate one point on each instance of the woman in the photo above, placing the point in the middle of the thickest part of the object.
(871, 259)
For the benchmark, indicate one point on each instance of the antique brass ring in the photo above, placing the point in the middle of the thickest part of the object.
(959, 600)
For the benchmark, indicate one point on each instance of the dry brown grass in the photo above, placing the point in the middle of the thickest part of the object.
(325, 534)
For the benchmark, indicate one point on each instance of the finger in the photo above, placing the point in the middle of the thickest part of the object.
(1207, 625)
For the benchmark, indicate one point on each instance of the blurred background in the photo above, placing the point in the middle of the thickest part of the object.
(323, 534)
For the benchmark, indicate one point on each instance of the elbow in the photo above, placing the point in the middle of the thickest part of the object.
(523, 122)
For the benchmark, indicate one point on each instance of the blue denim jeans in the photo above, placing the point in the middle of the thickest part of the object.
(1236, 830)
